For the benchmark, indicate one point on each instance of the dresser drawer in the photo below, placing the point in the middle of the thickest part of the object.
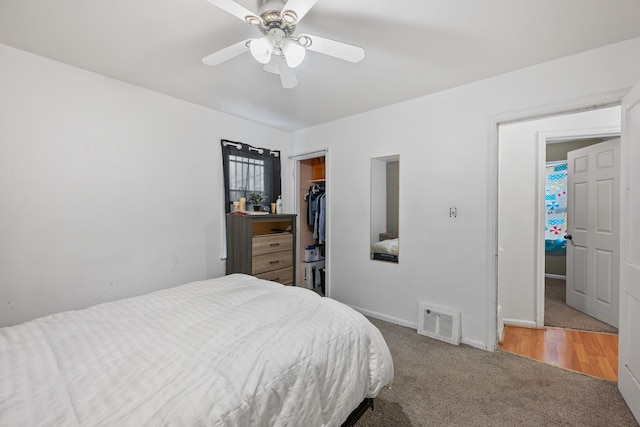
(270, 243)
(274, 261)
(282, 275)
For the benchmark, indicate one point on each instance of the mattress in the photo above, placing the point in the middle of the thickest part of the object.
(223, 352)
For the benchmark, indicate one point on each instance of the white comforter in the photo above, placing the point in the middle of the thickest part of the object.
(233, 351)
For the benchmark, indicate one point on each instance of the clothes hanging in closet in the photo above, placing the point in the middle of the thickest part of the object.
(321, 217)
(316, 211)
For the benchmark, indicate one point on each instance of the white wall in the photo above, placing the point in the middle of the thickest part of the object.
(519, 206)
(107, 190)
(449, 158)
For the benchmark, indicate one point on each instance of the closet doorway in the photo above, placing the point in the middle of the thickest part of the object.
(311, 202)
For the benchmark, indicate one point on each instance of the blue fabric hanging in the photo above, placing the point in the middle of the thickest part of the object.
(556, 209)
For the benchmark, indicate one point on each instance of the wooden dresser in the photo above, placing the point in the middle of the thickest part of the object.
(262, 245)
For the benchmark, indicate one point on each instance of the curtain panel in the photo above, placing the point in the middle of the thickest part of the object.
(556, 207)
(249, 169)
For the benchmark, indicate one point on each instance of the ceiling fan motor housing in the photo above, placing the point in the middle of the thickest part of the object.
(272, 17)
(266, 5)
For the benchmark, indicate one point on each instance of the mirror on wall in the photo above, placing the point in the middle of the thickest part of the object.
(385, 198)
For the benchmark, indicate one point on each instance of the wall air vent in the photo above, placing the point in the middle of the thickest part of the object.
(439, 322)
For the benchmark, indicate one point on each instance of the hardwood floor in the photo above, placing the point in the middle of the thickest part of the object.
(591, 353)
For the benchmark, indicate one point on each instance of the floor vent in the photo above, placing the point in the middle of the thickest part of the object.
(439, 323)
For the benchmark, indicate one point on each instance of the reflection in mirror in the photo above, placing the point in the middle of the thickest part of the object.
(385, 191)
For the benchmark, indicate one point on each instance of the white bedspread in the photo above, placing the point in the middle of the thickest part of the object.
(233, 351)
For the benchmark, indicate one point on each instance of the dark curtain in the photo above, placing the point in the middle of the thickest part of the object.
(243, 182)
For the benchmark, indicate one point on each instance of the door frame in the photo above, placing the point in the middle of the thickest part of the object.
(543, 139)
(629, 278)
(592, 102)
(295, 202)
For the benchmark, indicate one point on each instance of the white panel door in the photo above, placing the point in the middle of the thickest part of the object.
(629, 341)
(593, 203)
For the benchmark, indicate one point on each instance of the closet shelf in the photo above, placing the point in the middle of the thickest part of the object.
(318, 180)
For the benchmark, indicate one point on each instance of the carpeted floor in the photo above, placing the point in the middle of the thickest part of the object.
(439, 384)
(558, 314)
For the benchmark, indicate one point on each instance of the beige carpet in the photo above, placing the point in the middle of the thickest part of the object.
(439, 384)
(558, 314)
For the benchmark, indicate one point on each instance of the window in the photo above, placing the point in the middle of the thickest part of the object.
(249, 170)
(245, 175)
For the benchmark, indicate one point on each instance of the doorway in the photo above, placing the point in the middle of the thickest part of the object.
(311, 202)
(629, 368)
(557, 311)
(521, 160)
(524, 149)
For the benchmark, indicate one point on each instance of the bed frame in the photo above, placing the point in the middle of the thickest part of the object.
(358, 412)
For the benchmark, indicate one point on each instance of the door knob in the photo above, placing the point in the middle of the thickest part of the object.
(568, 237)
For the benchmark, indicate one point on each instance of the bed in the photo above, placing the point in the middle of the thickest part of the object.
(232, 351)
(386, 249)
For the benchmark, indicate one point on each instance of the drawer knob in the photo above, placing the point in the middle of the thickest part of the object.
(274, 244)
(274, 262)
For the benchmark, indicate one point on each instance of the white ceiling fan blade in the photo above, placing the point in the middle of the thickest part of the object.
(287, 76)
(227, 53)
(348, 52)
(237, 10)
(298, 7)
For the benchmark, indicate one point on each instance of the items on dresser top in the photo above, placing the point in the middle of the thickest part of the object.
(262, 245)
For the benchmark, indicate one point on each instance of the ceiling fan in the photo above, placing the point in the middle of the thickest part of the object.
(279, 49)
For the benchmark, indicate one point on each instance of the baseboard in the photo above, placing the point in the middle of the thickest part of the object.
(474, 343)
(518, 322)
(555, 276)
(390, 319)
(413, 325)
(500, 324)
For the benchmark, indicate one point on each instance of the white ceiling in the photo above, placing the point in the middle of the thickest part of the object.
(413, 48)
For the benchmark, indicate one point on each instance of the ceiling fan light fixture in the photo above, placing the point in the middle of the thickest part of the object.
(304, 41)
(273, 66)
(261, 49)
(290, 17)
(293, 53)
(253, 20)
